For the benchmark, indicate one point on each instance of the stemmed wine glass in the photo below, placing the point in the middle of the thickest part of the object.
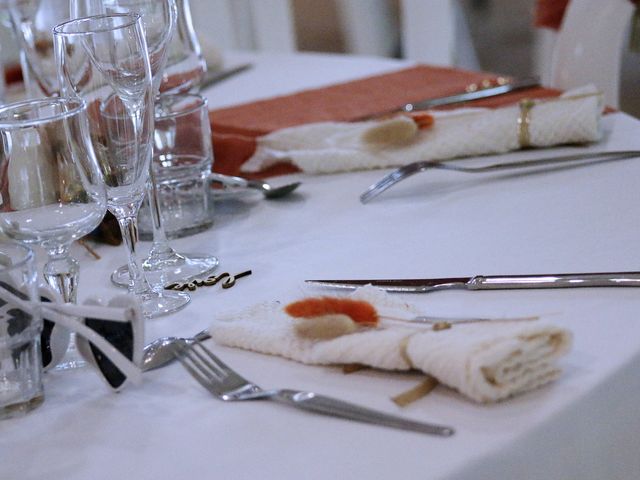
(163, 264)
(50, 184)
(51, 187)
(31, 22)
(104, 59)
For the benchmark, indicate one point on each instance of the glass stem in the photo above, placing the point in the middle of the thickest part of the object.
(161, 255)
(129, 228)
(61, 272)
(160, 249)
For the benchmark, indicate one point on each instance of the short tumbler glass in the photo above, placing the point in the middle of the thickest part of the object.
(20, 355)
(182, 159)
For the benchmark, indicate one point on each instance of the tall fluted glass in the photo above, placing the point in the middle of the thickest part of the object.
(104, 60)
(163, 264)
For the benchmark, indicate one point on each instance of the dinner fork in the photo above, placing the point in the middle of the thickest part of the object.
(408, 170)
(224, 383)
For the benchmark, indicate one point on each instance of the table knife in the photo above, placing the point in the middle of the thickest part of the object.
(521, 84)
(493, 282)
(216, 76)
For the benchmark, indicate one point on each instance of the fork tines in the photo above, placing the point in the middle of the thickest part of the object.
(197, 364)
(211, 372)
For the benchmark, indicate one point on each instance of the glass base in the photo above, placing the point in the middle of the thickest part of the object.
(22, 408)
(72, 358)
(193, 266)
(156, 304)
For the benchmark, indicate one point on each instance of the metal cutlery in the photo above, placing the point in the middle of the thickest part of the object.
(216, 76)
(493, 282)
(160, 352)
(472, 92)
(512, 86)
(269, 191)
(411, 169)
(227, 385)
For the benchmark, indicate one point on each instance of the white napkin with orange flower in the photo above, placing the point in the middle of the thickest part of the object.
(486, 361)
(328, 147)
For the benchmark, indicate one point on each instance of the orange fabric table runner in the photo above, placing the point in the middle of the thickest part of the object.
(235, 129)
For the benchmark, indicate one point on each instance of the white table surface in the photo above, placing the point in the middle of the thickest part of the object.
(586, 425)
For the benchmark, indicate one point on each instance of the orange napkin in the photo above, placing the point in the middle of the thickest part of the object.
(236, 128)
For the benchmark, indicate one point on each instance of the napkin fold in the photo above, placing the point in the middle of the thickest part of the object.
(486, 361)
(235, 129)
(328, 147)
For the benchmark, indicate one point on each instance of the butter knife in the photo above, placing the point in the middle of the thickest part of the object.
(493, 282)
(513, 86)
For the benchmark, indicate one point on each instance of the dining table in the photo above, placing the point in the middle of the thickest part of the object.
(585, 424)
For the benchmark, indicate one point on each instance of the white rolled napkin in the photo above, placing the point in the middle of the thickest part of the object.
(329, 147)
(486, 361)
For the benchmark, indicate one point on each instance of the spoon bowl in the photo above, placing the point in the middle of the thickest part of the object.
(269, 191)
(272, 192)
(160, 352)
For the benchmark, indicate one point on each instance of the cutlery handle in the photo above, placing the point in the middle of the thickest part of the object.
(313, 402)
(561, 280)
(476, 95)
(228, 180)
(213, 77)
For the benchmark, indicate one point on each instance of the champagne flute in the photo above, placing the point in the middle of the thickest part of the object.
(163, 265)
(104, 59)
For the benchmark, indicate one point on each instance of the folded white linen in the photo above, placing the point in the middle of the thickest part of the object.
(486, 361)
(329, 147)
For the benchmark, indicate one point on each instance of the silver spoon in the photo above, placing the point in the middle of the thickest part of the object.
(160, 352)
(268, 190)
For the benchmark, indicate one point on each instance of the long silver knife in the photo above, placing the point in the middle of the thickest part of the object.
(216, 76)
(521, 84)
(493, 282)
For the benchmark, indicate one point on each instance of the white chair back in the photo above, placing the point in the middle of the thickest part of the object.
(589, 45)
(431, 31)
(265, 25)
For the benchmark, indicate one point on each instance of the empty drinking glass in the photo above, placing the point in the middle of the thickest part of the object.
(182, 161)
(104, 59)
(163, 264)
(20, 358)
(52, 189)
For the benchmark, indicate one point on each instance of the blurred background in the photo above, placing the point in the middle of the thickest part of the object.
(491, 35)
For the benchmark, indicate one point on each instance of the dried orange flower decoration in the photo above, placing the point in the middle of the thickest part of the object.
(423, 120)
(359, 311)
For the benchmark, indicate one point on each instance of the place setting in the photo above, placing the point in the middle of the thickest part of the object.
(142, 139)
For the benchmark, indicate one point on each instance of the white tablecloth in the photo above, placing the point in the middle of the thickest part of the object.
(586, 425)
